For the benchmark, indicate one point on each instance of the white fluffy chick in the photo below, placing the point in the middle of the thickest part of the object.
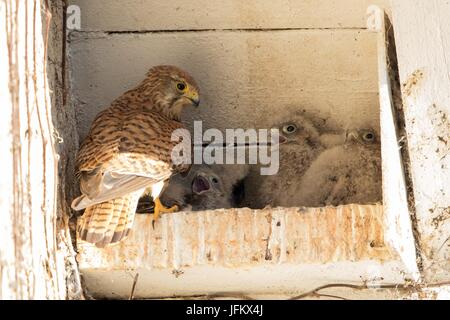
(349, 173)
(300, 144)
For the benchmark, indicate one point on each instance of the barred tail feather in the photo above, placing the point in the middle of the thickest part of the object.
(112, 226)
(99, 219)
(109, 222)
(126, 221)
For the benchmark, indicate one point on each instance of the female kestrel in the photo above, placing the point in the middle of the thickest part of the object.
(128, 150)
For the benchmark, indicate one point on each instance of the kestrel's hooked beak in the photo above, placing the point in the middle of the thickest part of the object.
(193, 96)
(282, 139)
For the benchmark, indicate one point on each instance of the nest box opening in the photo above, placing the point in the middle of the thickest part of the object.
(320, 219)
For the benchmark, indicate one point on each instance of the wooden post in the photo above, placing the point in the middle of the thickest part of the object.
(34, 240)
(422, 35)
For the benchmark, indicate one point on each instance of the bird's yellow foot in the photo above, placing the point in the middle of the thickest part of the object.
(160, 208)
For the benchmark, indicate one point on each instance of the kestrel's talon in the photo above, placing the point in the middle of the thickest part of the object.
(160, 208)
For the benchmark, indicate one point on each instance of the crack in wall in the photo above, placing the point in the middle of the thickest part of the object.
(217, 30)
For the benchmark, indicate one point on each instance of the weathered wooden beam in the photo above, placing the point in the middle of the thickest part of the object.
(35, 246)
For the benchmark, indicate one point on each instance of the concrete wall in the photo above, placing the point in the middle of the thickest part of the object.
(251, 60)
(226, 251)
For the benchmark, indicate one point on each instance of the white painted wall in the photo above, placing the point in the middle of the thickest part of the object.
(325, 63)
(422, 35)
(154, 15)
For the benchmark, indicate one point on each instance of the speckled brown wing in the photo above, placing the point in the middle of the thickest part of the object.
(125, 152)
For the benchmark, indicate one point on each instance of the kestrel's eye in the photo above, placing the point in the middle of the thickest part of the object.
(289, 128)
(181, 86)
(215, 180)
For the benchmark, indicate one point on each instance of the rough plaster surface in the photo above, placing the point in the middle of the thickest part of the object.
(251, 59)
(244, 76)
(229, 250)
(132, 15)
(424, 76)
(245, 237)
(279, 281)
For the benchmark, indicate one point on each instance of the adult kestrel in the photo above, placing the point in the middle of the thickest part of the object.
(128, 151)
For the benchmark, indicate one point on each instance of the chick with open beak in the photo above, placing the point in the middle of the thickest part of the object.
(205, 187)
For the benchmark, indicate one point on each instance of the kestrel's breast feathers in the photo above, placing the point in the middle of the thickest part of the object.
(124, 152)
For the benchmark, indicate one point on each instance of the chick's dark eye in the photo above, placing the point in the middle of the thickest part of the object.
(290, 128)
(181, 86)
(215, 180)
(369, 136)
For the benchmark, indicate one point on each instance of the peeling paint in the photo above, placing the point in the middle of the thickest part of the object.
(237, 238)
